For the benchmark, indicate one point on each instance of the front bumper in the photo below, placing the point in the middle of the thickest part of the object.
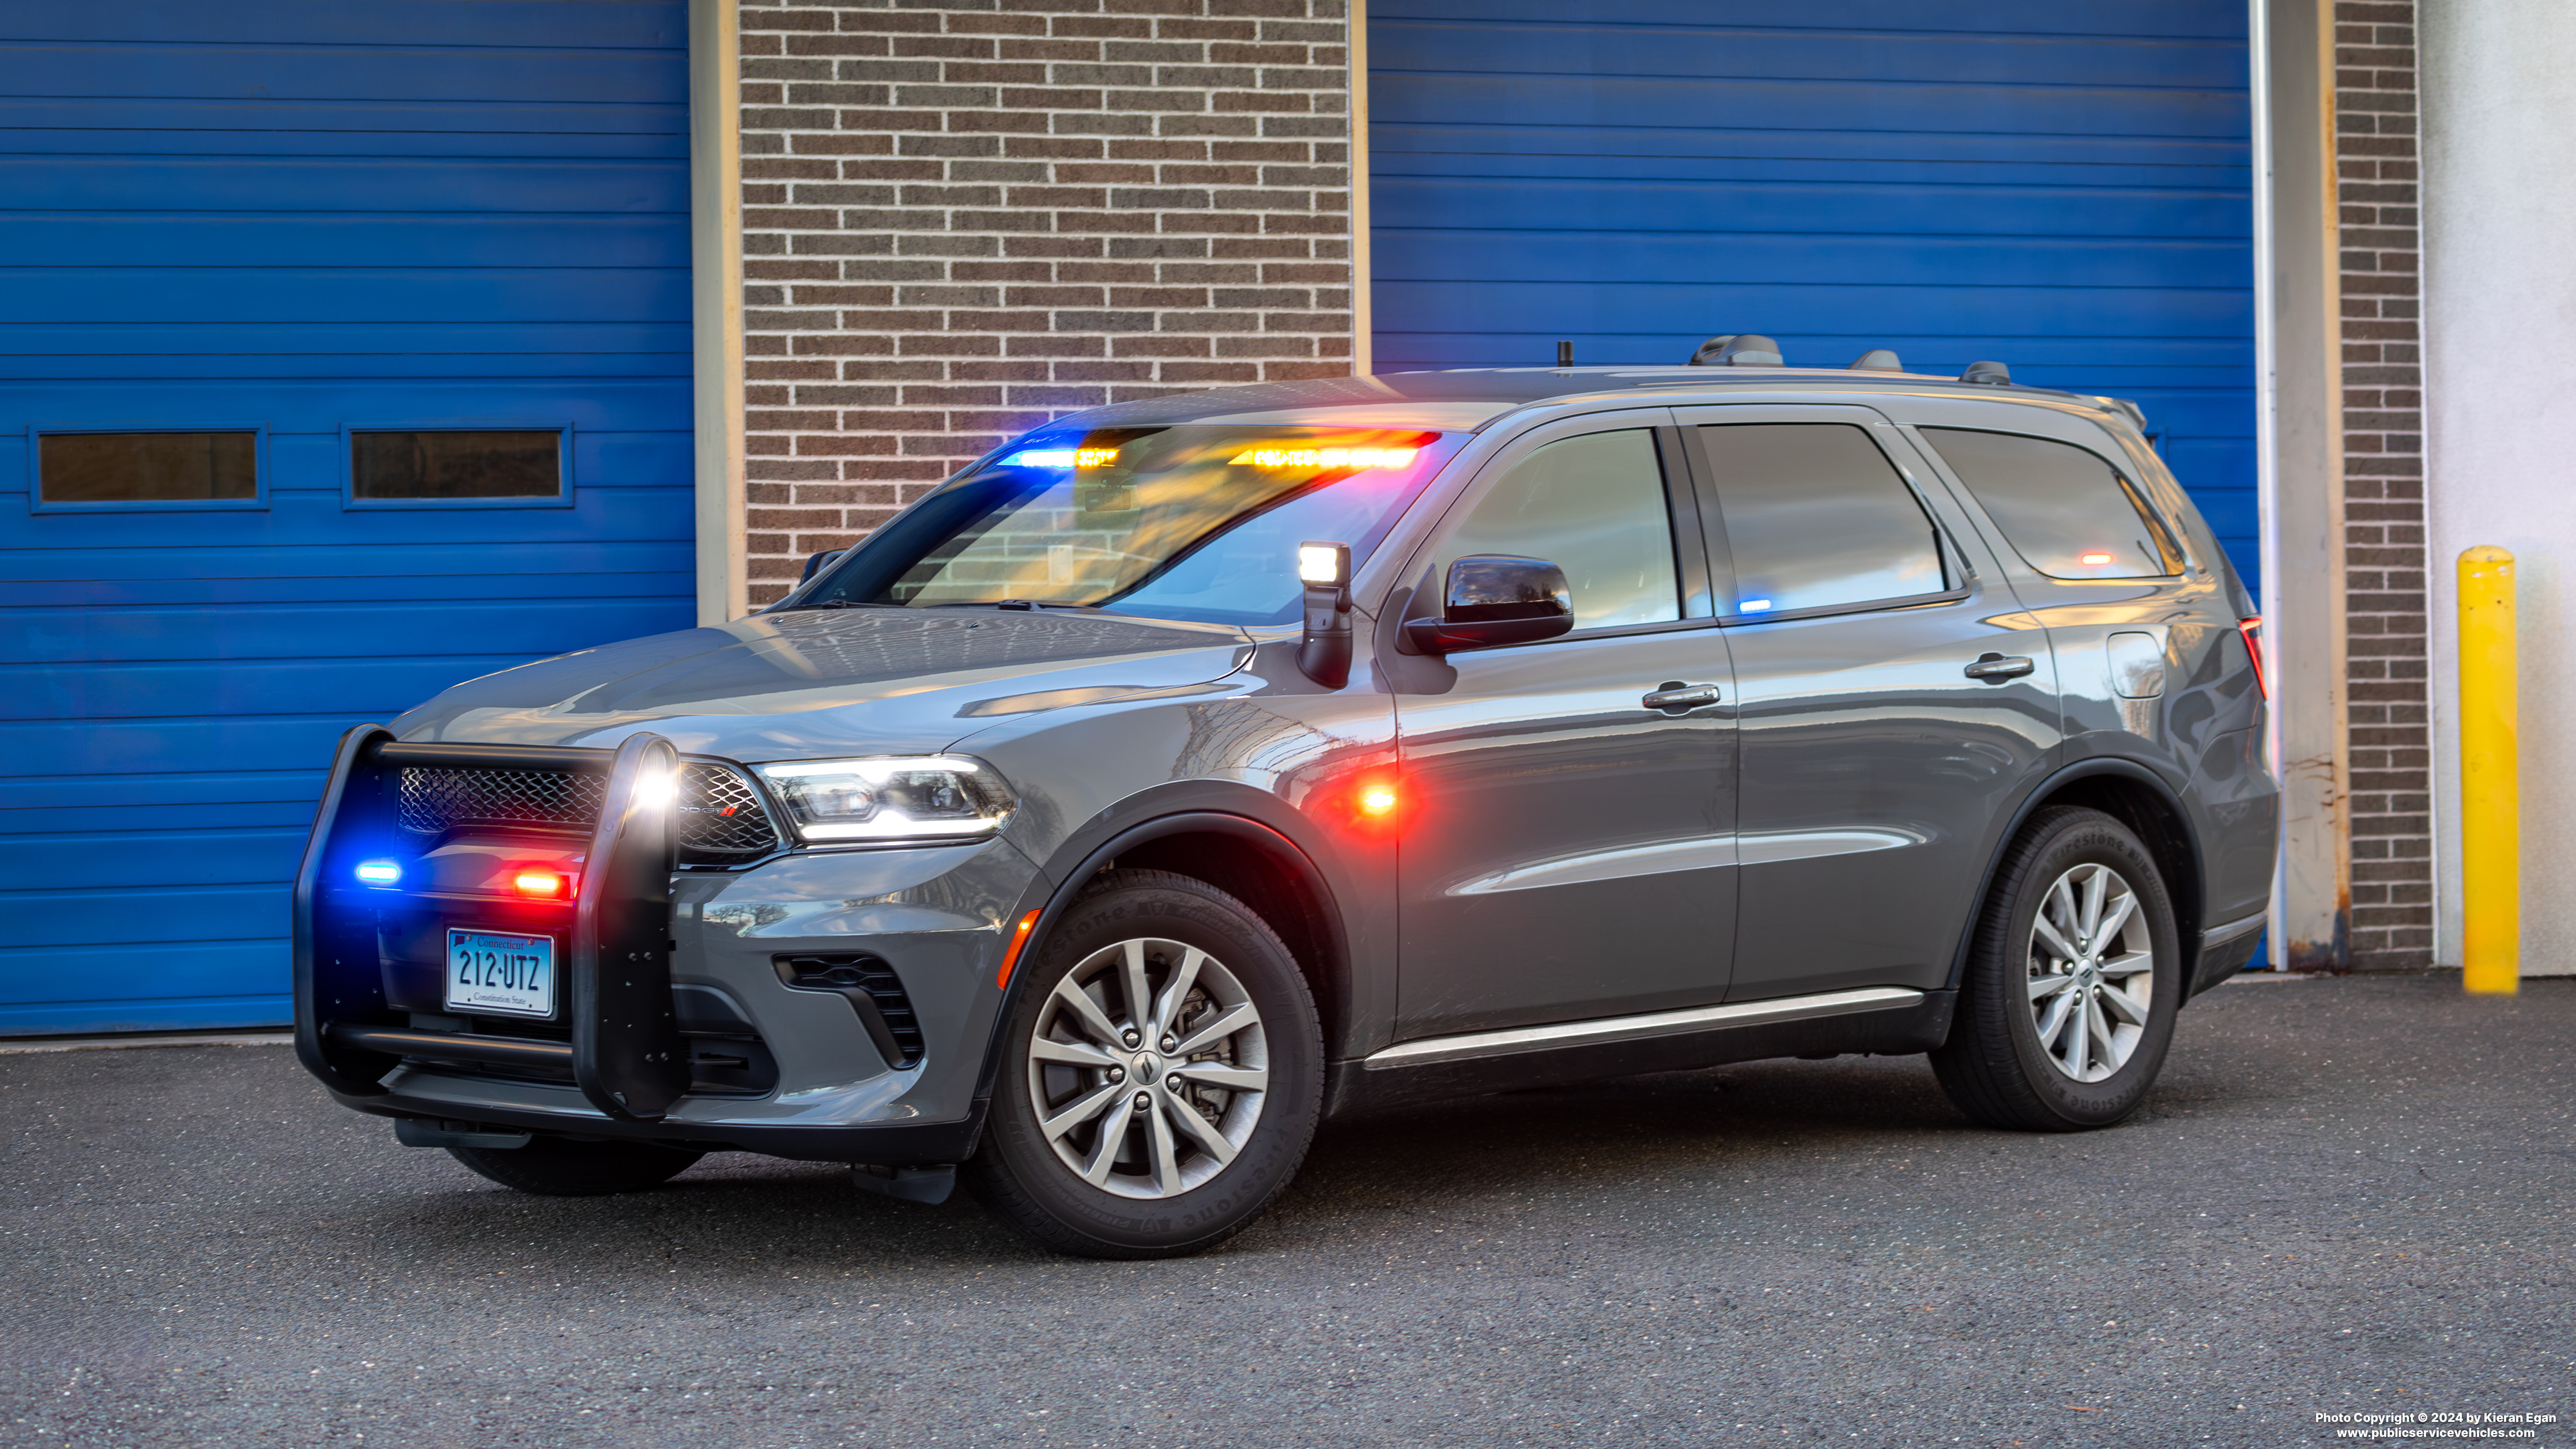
(743, 978)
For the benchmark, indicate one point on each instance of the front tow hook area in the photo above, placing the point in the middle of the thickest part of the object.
(421, 1132)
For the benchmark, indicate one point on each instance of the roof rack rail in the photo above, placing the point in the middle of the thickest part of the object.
(1993, 374)
(1737, 349)
(1877, 359)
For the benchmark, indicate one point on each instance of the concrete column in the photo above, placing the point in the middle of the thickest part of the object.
(2499, 79)
(1363, 310)
(715, 290)
(2300, 436)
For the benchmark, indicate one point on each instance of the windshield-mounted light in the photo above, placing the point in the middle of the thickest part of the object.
(1061, 458)
(919, 798)
(1332, 460)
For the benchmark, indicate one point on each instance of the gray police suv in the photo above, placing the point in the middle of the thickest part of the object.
(1190, 770)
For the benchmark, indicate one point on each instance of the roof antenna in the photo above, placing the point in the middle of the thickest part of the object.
(1993, 374)
(1737, 349)
(1877, 359)
(1565, 354)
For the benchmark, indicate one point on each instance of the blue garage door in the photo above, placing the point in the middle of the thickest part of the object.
(2063, 187)
(346, 347)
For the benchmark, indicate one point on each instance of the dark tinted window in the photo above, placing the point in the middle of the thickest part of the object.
(434, 463)
(147, 467)
(2066, 510)
(1595, 507)
(1816, 517)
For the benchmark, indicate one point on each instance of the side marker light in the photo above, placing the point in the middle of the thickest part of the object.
(1019, 939)
(1377, 800)
(2093, 560)
(380, 872)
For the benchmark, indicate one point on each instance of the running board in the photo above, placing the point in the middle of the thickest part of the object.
(1885, 1020)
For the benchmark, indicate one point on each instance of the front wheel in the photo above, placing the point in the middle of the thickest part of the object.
(2072, 982)
(1162, 1071)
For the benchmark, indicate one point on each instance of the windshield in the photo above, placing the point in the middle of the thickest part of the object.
(1197, 523)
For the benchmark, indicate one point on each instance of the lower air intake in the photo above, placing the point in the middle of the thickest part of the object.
(873, 991)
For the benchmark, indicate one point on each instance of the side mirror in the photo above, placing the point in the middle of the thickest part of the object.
(814, 564)
(1493, 600)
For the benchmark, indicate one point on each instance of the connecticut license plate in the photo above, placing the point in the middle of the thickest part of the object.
(487, 971)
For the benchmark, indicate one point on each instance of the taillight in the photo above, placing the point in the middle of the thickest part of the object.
(2252, 629)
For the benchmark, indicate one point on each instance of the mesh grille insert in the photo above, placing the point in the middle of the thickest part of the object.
(721, 820)
(440, 797)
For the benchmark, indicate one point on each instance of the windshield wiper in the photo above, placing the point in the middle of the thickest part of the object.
(830, 604)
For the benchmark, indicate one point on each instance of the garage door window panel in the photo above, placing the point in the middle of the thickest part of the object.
(1595, 506)
(1817, 521)
(2065, 510)
(148, 468)
(526, 466)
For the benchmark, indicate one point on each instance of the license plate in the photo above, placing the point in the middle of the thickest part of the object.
(488, 971)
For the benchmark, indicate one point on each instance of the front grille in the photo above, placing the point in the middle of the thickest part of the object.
(720, 814)
(438, 798)
(721, 819)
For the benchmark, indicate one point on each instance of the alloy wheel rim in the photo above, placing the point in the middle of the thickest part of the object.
(2091, 973)
(1148, 1068)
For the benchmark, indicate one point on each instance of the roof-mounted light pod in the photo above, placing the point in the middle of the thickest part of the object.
(1992, 374)
(1738, 349)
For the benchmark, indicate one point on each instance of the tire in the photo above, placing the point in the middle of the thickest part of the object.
(553, 1167)
(2112, 1000)
(1251, 1086)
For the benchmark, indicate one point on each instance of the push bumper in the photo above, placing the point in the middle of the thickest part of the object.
(661, 974)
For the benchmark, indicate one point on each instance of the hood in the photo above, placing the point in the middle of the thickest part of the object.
(812, 683)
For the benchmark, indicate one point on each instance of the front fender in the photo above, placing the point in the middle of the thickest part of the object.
(1280, 769)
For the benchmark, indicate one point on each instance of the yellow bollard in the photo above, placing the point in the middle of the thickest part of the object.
(2490, 776)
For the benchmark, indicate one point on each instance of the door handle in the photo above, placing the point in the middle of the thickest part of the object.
(1675, 697)
(1995, 668)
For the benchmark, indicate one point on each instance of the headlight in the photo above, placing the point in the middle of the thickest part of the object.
(939, 797)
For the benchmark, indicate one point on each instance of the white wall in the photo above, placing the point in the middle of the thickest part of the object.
(2499, 79)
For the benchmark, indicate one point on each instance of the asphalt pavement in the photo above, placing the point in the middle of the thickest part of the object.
(2346, 1197)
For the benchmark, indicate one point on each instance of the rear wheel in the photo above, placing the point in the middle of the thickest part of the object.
(1161, 1076)
(2072, 982)
(553, 1167)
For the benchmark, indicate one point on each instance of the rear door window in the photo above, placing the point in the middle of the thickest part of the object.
(2066, 511)
(1817, 518)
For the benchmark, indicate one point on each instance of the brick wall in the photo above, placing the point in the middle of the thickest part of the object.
(964, 217)
(2391, 790)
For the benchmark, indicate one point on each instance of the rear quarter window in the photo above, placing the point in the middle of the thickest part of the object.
(2066, 511)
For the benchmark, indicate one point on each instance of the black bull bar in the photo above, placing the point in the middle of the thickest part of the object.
(626, 1053)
